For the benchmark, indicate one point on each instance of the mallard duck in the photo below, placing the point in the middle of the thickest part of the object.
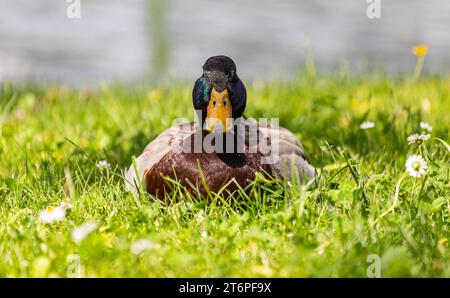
(220, 147)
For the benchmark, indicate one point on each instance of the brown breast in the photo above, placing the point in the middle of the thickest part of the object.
(218, 169)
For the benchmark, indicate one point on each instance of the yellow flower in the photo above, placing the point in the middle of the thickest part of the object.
(344, 121)
(443, 241)
(420, 50)
(155, 95)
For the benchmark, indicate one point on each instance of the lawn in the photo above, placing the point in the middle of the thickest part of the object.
(61, 145)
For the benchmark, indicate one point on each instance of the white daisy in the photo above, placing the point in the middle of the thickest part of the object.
(66, 204)
(426, 126)
(79, 233)
(417, 138)
(367, 125)
(200, 218)
(141, 245)
(416, 166)
(52, 214)
(103, 164)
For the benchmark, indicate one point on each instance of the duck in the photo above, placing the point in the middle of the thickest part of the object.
(223, 150)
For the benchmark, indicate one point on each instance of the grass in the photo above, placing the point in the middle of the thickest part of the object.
(52, 138)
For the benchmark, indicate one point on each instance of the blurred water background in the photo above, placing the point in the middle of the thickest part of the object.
(138, 40)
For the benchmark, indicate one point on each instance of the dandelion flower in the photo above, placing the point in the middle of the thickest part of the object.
(417, 138)
(367, 125)
(52, 214)
(426, 126)
(420, 50)
(141, 245)
(416, 166)
(103, 164)
(79, 233)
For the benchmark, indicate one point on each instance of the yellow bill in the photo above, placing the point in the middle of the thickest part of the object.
(219, 112)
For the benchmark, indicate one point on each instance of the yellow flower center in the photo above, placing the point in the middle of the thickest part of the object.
(416, 165)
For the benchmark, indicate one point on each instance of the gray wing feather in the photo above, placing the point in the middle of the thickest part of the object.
(289, 155)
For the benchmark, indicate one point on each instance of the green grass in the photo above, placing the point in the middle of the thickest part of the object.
(51, 139)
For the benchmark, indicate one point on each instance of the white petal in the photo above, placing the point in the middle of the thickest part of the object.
(367, 125)
(426, 126)
(141, 245)
(79, 233)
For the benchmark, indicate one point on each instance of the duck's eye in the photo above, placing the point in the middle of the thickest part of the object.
(214, 103)
(224, 103)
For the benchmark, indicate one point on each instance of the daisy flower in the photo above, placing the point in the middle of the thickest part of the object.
(66, 204)
(103, 164)
(417, 138)
(52, 214)
(203, 234)
(141, 245)
(416, 166)
(426, 126)
(367, 125)
(80, 232)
